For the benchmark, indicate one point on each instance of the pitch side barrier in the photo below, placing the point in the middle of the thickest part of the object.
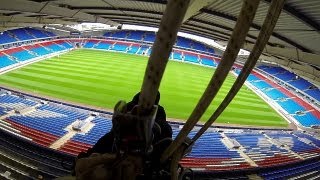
(30, 61)
(26, 42)
(54, 101)
(174, 123)
(134, 41)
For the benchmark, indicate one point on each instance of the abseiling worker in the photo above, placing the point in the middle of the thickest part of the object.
(105, 143)
(162, 134)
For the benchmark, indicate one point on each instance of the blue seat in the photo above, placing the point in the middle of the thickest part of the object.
(133, 49)
(136, 35)
(5, 61)
(41, 51)
(119, 34)
(198, 46)
(315, 93)
(119, 47)
(307, 119)
(183, 42)
(142, 49)
(38, 33)
(149, 37)
(6, 38)
(301, 84)
(89, 44)
(275, 94)
(177, 55)
(103, 45)
(191, 58)
(23, 55)
(50, 118)
(208, 62)
(286, 76)
(291, 106)
(55, 48)
(101, 127)
(21, 34)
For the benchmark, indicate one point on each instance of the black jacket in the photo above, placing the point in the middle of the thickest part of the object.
(105, 143)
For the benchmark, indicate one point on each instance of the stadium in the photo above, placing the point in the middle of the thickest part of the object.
(64, 65)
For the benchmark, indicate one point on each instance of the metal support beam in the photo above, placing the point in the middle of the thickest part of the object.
(300, 16)
(194, 7)
(289, 53)
(258, 27)
(220, 26)
(32, 20)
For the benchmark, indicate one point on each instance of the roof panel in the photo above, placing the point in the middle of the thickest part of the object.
(158, 16)
(81, 3)
(215, 19)
(308, 7)
(137, 5)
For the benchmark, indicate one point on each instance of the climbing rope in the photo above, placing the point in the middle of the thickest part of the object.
(237, 39)
(264, 35)
(161, 49)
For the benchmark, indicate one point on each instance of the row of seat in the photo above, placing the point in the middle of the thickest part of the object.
(23, 34)
(21, 159)
(131, 48)
(19, 54)
(294, 107)
(310, 170)
(292, 79)
(144, 36)
(50, 163)
(210, 152)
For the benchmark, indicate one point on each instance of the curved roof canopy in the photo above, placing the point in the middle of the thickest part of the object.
(296, 37)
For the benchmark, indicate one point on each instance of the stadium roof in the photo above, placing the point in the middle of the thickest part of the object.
(294, 43)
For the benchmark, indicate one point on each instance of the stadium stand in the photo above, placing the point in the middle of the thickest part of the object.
(15, 55)
(189, 57)
(119, 47)
(183, 42)
(220, 149)
(5, 61)
(291, 103)
(103, 45)
(142, 49)
(177, 55)
(133, 49)
(149, 37)
(314, 93)
(24, 34)
(5, 38)
(32, 124)
(25, 160)
(291, 79)
(102, 126)
(207, 60)
(38, 33)
(291, 106)
(136, 35)
(304, 113)
(120, 34)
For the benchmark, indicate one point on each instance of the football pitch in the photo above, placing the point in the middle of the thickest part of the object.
(101, 78)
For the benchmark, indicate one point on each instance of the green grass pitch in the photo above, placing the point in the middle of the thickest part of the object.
(102, 78)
